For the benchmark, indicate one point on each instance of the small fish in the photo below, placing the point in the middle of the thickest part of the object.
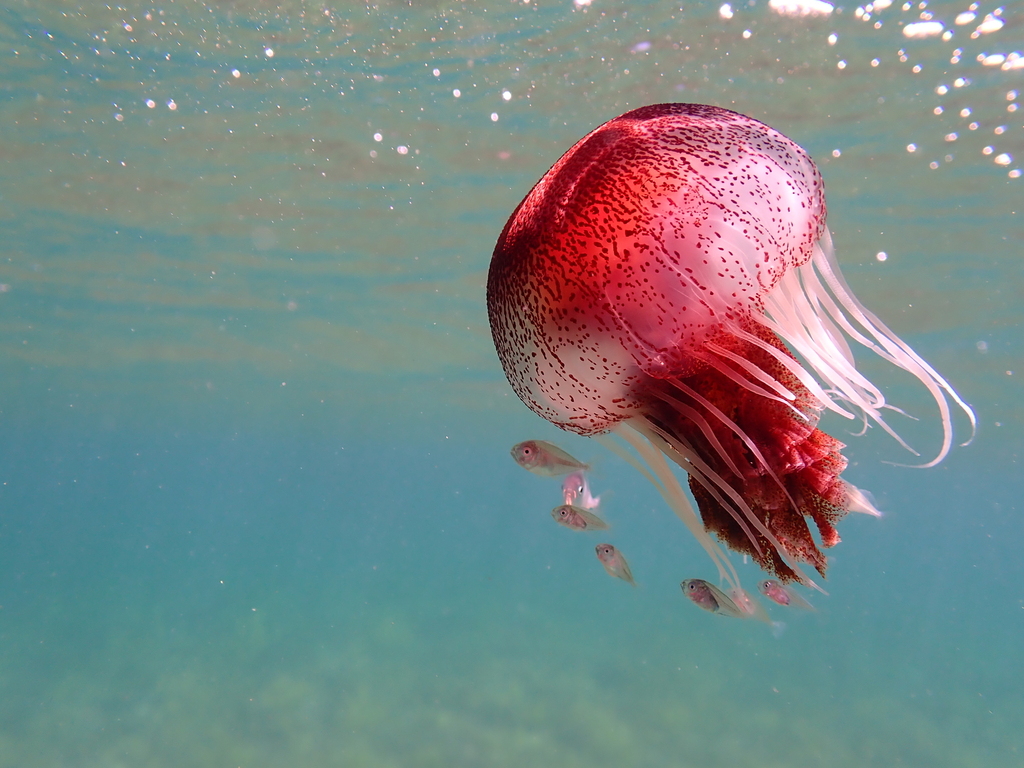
(779, 593)
(711, 598)
(614, 562)
(576, 490)
(545, 459)
(578, 518)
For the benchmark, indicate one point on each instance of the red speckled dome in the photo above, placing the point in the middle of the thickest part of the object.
(653, 230)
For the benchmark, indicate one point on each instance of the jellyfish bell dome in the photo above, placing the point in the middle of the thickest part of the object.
(657, 230)
(671, 280)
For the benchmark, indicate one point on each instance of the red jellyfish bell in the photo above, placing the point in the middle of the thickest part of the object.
(656, 283)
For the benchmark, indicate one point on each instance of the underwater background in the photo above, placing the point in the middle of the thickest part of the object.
(257, 506)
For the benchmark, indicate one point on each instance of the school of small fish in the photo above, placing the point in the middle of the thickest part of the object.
(578, 512)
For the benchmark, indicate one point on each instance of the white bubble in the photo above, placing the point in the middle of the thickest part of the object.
(1003, 159)
(725, 11)
(950, 137)
(235, 73)
(1015, 173)
(999, 130)
(841, 64)
(965, 18)
(800, 8)
(506, 95)
(911, 147)
(746, 34)
(833, 39)
(269, 52)
(933, 165)
(402, 149)
(881, 256)
(921, 29)
(378, 137)
(494, 117)
(965, 112)
(938, 110)
(456, 92)
(150, 103)
(990, 24)
(875, 62)
(437, 72)
(916, 69)
(119, 117)
(987, 150)
(836, 153)
(172, 105)
(942, 90)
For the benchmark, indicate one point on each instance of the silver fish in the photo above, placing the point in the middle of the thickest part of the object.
(578, 519)
(779, 593)
(614, 562)
(545, 459)
(711, 598)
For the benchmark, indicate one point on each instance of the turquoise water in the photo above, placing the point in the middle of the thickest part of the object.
(257, 507)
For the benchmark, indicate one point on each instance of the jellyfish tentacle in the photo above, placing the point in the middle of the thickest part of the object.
(856, 389)
(752, 369)
(905, 357)
(738, 509)
(794, 368)
(848, 384)
(748, 385)
(611, 445)
(738, 431)
(690, 462)
(713, 482)
(702, 424)
(673, 494)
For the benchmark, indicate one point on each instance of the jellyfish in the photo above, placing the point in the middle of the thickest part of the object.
(670, 281)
